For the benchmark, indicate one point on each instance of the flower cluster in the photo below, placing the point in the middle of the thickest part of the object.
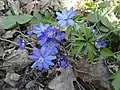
(49, 40)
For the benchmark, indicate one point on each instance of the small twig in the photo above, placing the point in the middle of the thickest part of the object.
(84, 72)
(8, 41)
(26, 36)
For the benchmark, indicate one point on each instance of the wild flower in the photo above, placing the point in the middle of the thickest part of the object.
(38, 30)
(60, 35)
(49, 33)
(52, 44)
(42, 57)
(21, 44)
(100, 43)
(66, 17)
(63, 62)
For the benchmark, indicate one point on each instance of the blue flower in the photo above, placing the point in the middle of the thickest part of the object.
(60, 35)
(63, 62)
(42, 58)
(100, 43)
(52, 44)
(21, 44)
(49, 33)
(66, 17)
(40, 29)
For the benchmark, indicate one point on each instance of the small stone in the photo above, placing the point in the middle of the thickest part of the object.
(11, 79)
(14, 77)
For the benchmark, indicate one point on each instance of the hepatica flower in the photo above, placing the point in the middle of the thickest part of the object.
(100, 43)
(63, 62)
(21, 44)
(60, 35)
(66, 17)
(52, 44)
(42, 58)
(49, 33)
(40, 29)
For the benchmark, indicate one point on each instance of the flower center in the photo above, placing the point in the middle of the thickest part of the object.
(50, 34)
(41, 59)
(43, 28)
(51, 44)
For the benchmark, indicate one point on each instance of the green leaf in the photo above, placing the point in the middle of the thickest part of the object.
(104, 4)
(91, 47)
(78, 34)
(24, 18)
(76, 49)
(8, 22)
(34, 21)
(116, 30)
(47, 14)
(91, 55)
(87, 32)
(105, 21)
(104, 29)
(106, 52)
(116, 81)
(91, 51)
(93, 18)
(77, 43)
(37, 15)
(100, 36)
(68, 32)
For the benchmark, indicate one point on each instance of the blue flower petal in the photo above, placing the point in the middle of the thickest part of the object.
(49, 63)
(54, 50)
(62, 23)
(65, 14)
(71, 22)
(36, 52)
(40, 66)
(62, 62)
(46, 66)
(21, 44)
(59, 15)
(71, 13)
(50, 58)
(60, 36)
(45, 51)
(42, 40)
(100, 43)
(33, 57)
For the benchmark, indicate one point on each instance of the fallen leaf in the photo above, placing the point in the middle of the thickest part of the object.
(64, 81)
